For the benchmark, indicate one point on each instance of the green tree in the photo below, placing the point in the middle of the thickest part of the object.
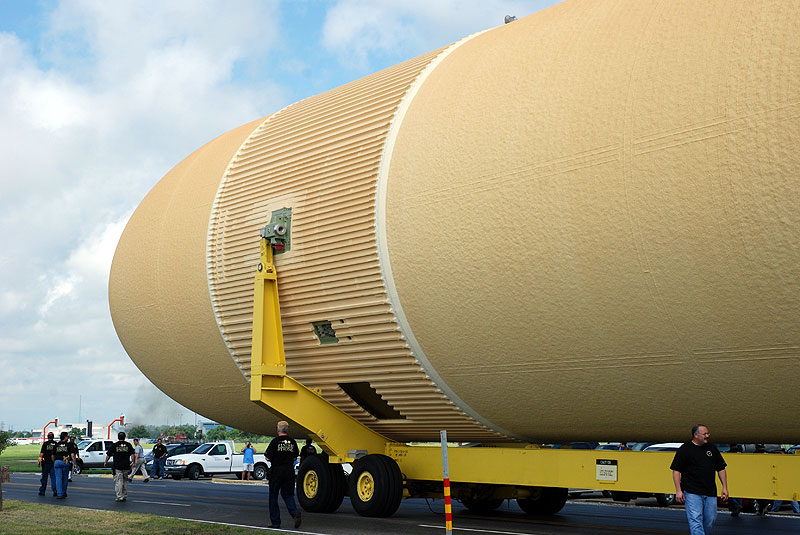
(218, 433)
(5, 441)
(138, 431)
(75, 432)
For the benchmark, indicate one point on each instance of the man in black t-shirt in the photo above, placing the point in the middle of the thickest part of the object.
(693, 469)
(122, 452)
(281, 453)
(63, 453)
(46, 462)
(159, 459)
(307, 451)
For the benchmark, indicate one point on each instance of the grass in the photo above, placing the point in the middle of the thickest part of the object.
(41, 519)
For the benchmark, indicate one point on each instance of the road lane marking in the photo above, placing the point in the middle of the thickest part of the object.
(138, 491)
(246, 526)
(163, 503)
(480, 530)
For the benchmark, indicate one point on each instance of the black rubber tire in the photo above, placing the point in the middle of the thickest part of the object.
(260, 471)
(320, 485)
(78, 468)
(622, 496)
(477, 505)
(544, 501)
(375, 486)
(194, 472)
(665, 500)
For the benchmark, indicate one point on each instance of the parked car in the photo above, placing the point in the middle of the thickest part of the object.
(172, 449)
(214, 458)
(793, 450)
(576, 446)
(664, 500)
(611, 446)
(91, 454)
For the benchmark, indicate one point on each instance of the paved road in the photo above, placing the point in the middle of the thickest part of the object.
(244, 504)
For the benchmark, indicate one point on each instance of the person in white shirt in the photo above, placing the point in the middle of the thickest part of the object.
(138, 461)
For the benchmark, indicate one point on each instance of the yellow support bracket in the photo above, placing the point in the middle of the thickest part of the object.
(342, 437)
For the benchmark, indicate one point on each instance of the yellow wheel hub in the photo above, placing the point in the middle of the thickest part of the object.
(365, 486)
(310, 484)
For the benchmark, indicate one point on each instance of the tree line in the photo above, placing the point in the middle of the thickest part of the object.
(174, 432)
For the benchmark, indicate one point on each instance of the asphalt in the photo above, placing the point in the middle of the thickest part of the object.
(238, 503)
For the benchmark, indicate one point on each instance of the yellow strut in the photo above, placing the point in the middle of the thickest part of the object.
(337, 433)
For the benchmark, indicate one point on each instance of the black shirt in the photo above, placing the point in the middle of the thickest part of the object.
(282, 451)
(307, 451)
(121, 451)
(698, 465)
(47, 451)
(159, 450)
(62, 450)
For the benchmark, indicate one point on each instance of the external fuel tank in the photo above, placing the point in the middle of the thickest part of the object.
(584, 224)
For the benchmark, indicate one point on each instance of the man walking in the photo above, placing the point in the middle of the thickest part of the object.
(693, 469)
(159, 458)
(281, 453)
(123, 454)
(138, 461)
(63, 453)
(72, 465)
(46, 462)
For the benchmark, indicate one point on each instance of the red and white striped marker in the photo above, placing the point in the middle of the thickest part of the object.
(448, 510)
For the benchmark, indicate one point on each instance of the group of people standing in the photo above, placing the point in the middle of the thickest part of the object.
(127, 460)
(56, 460)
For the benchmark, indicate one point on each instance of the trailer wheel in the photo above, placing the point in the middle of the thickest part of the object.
(320, 485)
(375, 486)
(665, 500)
(622, 496)
(478, 505)
(544, 501)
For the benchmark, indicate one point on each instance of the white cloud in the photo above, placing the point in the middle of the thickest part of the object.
(358, 29)
(102, 103)
(114, 95)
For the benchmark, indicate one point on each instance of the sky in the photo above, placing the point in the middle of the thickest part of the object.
(98, 100)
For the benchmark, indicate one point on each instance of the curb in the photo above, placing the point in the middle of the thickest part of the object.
(238, 481)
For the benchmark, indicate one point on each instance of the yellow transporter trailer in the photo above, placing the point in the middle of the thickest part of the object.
(384, 472)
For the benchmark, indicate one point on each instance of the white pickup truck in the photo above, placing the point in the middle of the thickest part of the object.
(213, 458)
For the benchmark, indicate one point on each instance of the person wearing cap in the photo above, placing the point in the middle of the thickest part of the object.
(46, 462)
(63, 453)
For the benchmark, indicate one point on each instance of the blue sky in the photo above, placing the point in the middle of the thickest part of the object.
(98, 100)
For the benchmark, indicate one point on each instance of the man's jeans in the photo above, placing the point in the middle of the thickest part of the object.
(776, 506)
(157, 469)
(47, 470)
(701, 511)
(61, 469)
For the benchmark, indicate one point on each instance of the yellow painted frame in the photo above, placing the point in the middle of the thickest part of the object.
(344, 438)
